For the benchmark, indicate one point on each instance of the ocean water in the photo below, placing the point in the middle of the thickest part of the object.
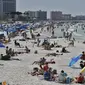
(79, 35)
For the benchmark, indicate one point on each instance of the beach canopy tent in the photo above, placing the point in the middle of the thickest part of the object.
(18, 25)
(70, 30)
(23, 27)
(83, 71)
(3, 34)
(1, 45)
(11, 30)
(74, 60)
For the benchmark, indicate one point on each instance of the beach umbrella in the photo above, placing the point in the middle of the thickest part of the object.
(1, 45)
(74, 60)
(83, 71)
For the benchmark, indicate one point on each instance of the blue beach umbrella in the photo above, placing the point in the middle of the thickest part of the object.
(74, 60)
(24, 26)
(1, 45)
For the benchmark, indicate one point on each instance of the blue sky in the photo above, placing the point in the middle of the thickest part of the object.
(75, 7)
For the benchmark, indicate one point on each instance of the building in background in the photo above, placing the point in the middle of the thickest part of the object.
(36, 15)
(7, 6)
(56, 15)
(41, 15)
(30, 15)
(66, 17)
(80, 17)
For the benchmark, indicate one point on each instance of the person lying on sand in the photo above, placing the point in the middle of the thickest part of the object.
(42, 61)
(8, 57)
(53, 54)
(15, 59)
(5, 57)
(36, 71)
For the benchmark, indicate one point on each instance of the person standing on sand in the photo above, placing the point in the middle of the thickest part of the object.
(7, 50)
(38, 42)
(53, 33)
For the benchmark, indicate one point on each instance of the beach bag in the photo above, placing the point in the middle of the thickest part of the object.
(68, 80)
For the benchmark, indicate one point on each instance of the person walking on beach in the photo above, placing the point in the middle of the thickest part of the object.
(53, 33)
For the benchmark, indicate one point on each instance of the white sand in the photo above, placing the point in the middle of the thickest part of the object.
(15, 72)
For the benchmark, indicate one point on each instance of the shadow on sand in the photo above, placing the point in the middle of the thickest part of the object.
(76, 67)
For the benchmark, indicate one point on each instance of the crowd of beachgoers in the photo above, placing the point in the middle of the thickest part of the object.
(36, 52)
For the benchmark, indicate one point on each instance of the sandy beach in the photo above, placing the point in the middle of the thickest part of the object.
(16, 72)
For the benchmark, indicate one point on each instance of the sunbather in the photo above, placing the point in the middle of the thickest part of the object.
(40, 62)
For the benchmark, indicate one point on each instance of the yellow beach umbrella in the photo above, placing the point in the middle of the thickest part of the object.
(83, 71)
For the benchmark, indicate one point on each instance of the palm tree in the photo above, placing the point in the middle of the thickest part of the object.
(27, 15)
(15, 13)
